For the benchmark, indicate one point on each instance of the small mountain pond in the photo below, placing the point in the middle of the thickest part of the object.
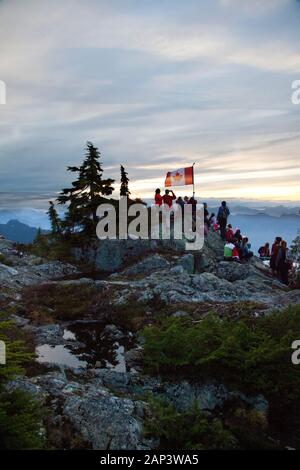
(87, 345)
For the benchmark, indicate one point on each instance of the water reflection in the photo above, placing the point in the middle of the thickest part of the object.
(88, 346)
(58, 355)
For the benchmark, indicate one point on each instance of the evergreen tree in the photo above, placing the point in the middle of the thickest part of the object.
(124, 191)
(86, 193)
(54, 219)
(20, 413)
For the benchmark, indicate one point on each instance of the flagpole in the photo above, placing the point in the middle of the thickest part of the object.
(193, 180)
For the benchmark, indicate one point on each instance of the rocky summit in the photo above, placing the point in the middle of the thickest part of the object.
(88, 368)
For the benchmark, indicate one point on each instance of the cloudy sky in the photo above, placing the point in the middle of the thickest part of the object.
(156, 85)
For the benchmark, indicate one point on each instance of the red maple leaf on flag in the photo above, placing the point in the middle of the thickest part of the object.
(178, 176)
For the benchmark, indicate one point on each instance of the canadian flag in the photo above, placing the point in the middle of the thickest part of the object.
(180, 177)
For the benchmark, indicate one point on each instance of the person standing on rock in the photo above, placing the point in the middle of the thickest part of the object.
(283, 265)
(194, 203)
(180, 203)
(206, 213)
(274, 252)
(222, 217)
(206, 219)
(168, 198)
(158, 198)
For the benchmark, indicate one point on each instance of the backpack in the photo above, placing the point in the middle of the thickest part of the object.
(223, 213)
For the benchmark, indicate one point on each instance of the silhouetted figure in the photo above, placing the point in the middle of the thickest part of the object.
(222, 217)
(180, 202)
(274, 252)
(282, 264)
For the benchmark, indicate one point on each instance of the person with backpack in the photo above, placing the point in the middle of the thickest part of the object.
(222, 217)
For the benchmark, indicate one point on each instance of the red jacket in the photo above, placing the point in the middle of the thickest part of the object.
(275, 248)
(235, 252)
(168, 200)
(158, 200)
(229, 235)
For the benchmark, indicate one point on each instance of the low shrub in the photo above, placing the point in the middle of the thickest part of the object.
(5, 260)
(48, 302)
(20, 421)
(186, 430)
(250, 353)
(20, 413)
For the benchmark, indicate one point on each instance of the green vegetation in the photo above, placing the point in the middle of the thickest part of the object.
(56, 247)
(252, 353)
(5, 260)
(186, 430)
(54, 219)
(20, 414)
(124, 190)
(78, 227)
(85, 195)
(47, 303)
(20, 421)
(192, 429)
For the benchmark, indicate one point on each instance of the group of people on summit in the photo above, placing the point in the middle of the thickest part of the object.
(236, 246)
(168, 198)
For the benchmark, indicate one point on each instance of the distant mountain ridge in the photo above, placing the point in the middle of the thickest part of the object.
(18, 232)
(260, 225)
(276, 211)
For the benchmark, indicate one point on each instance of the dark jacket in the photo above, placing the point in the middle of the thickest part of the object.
(223, 213)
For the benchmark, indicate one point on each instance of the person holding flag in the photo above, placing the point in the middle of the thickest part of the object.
(180, 177)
